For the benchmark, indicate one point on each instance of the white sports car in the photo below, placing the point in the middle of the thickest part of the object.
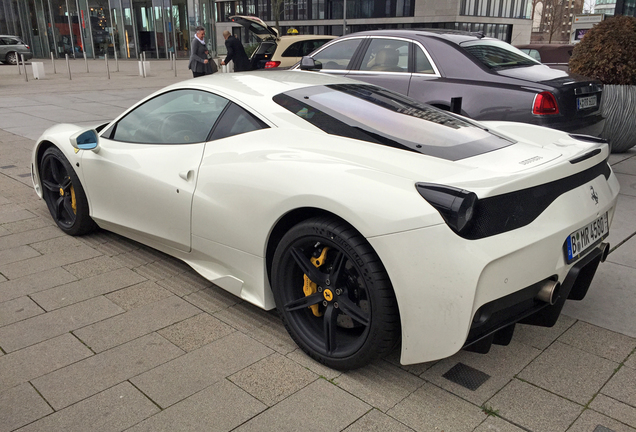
(366, 218)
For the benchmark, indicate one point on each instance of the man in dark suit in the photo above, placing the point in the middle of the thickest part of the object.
(236, 53)
(199, 63)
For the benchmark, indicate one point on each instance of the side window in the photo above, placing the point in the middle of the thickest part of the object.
(236, 121)
(535, 54)
(293, 50)
(312, 45)
(386, 55)
(338, 55)
(176, 117)
(422, 63)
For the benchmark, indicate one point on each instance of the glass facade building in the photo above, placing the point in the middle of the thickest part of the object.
(160, 28)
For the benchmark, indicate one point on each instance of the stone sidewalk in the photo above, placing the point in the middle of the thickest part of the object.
(99, 333)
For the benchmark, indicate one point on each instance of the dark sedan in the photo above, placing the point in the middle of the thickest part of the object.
(494, 80)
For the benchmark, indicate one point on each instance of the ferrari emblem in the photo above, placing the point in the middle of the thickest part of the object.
(594, 195)
(328, 295)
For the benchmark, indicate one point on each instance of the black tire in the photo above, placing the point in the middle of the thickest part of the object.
(360, 321)
(64, 194)
(12, 58)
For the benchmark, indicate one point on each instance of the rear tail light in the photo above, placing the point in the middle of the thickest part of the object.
(272, 64)
(456, 206)
(545, 104)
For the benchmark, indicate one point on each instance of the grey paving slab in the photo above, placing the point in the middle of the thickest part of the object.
(381, 384)
(95, 374)
(614, 409)
(55, 323)
(432, 408)
(628, 183)
(219, 408)
(85, 289)
(416, 369)
(343, 410)
(162, 269)
(92, 267)
(275, 336)
(28, 224)
(377, 421)
(56, 245)
(211, 299)
(623, 224)
(542, 337)
(54, 114)
(37, 360)
(35, 128)
(318, 368)
(195, 332)
(627, 166)
(17, 310)
(17, 215)
(631, 361)
(610, 301)
(115, 409)
(245, 317)
(33, 283)
(502, 363)
(17, 254)
(45, 262)
(621, 386)
(273, 378)
(496, 424)
(533, 408)
(19, 406)
(569, 372)
(591, 421)
(185, 283)
(138, 295)
(137, 322)
(599, 341)
(25, 238)
(625, 254)
(190, 373)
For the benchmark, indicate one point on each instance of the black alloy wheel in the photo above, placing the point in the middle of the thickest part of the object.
(64, 194)
(334, 295)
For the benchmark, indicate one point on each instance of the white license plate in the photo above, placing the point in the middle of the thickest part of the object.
(586, 102)
(586, 238)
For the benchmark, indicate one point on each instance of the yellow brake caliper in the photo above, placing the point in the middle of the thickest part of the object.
(310, 287)
(73, 202)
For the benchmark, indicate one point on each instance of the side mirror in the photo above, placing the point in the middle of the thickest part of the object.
(308, 63)
(85, 139)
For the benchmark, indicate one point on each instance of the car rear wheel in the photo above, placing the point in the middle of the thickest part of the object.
(333, 294)
(64, 194)
(12, 58)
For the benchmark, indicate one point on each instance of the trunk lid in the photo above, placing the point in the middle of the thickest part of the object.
(256, 26)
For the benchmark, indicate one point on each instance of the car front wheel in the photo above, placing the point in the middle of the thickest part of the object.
(12, 58)
(333, 294)
(64, 194)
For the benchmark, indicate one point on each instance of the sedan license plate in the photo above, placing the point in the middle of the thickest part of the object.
(585, 238)
(586, 102)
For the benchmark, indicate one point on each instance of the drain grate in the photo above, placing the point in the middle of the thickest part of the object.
(466, 376)
(600, 428)
(7, 166)
(24, 175)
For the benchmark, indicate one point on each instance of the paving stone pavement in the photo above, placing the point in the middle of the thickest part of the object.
(99, 333)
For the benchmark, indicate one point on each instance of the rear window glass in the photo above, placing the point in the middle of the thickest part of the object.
(376, 115)
(498, 55)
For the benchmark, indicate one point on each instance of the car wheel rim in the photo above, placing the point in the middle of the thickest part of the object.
(12, 58)
(325, 298)
(58, 191)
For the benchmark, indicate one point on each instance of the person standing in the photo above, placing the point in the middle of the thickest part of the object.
(199, 62)
(236, 53)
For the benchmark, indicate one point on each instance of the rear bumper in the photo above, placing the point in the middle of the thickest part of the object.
(588, 125)
(494, 322)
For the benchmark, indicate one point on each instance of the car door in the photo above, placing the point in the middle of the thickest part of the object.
(385, 63)
(338, 57)
(142, 177)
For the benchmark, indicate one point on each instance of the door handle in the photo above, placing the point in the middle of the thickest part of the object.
(187, 175)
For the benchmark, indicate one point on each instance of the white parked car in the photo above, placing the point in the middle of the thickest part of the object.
(366, 218)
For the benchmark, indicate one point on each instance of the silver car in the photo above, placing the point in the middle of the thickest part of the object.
(11, 47)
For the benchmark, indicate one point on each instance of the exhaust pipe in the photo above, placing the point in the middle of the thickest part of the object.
(605, 250)
(549, 292)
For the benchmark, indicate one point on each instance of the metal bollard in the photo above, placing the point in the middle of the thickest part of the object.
(174, 60)
(26, 77)
(53, 62)
(171, 61)
(116, 61)
(107, 68)
(68, 66)
(17, 62)
(85, 61)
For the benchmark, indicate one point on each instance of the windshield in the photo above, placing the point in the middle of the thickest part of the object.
(497, 54)
(373, 114)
